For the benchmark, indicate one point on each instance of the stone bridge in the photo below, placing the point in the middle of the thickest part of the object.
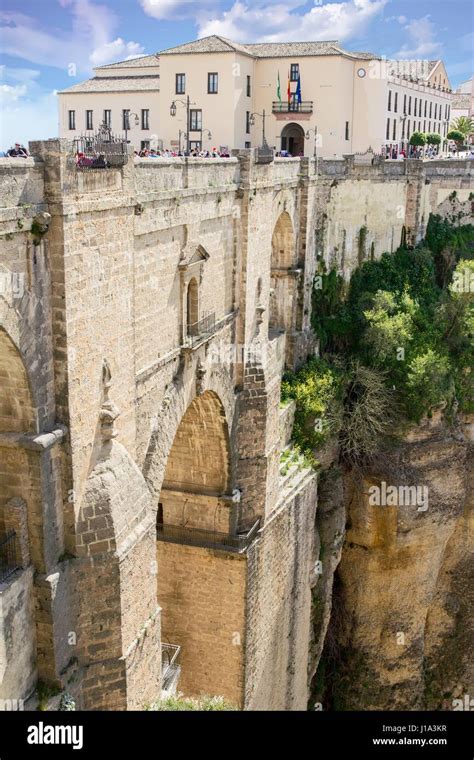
(146, 317)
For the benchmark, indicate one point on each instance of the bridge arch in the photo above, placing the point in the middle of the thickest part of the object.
(20, 523)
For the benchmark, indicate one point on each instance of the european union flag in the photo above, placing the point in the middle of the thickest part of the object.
(298, 90)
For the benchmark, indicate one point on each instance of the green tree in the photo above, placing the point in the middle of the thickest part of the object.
(432, 138)
(463, 124)
(418, 139)
(457, 136)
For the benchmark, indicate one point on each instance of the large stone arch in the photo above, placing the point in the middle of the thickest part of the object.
(177, 399)
(201, 582)
(20, 525)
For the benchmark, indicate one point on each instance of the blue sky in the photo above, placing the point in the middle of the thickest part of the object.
(47, 45)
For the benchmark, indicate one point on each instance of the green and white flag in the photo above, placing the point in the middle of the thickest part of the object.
(278, 88)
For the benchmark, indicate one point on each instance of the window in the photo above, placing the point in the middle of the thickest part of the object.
(247, 122)
(294, 72)
(249, 86)
(180, 84)
(389, 106)
(195, 120)
(394, 136)
(126, 118)
(159, 518)
(72, 119)
(409, 105)
(387, 133)
(212, 83)
(347, 130)
(404, 104)
(395, 105)
(192, 307)
(145, 118)
(108, 117)
(89, 120)
(248, 144)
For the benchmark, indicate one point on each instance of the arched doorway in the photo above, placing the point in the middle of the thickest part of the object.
(20, 506)
(292, 139)
(201, 585)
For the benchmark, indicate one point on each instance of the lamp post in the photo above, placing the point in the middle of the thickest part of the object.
(187, 104)
(252, 122)
(127, 123)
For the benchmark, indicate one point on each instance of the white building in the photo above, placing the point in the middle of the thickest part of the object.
(128, 90)
(215, 93)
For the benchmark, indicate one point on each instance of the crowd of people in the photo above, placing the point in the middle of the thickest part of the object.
(194, 153)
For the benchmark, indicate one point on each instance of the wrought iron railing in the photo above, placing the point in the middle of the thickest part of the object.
(170, 665)
(100, 150)
(306, 106)
(180, 534)
(8, 556)
(205, 326)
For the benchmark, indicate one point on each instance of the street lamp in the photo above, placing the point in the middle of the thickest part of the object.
(187, 104)
(252, 122)
(127, 122)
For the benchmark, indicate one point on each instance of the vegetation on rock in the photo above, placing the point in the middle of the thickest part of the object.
(396, 343)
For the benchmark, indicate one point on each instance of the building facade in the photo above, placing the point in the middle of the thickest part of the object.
(301, 97)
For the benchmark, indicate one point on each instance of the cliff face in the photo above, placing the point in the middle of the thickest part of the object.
(400, 634)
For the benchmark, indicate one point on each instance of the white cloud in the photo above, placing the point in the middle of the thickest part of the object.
(168, 9)
(116, 50)
(11, 93)
(422, 42)
(23, 120)
(92, 30)
(275, 22)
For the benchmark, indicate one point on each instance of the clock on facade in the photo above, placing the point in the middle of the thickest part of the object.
(361, 73)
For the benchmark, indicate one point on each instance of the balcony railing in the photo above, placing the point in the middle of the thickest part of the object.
(8, 556)
(179, 534)
(202, 328)
(306, 106)
(170, 665)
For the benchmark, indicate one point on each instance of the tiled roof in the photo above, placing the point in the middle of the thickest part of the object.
(144, 61)
(117, 84)
(288, 49)
(217, 44)
(212, 44)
